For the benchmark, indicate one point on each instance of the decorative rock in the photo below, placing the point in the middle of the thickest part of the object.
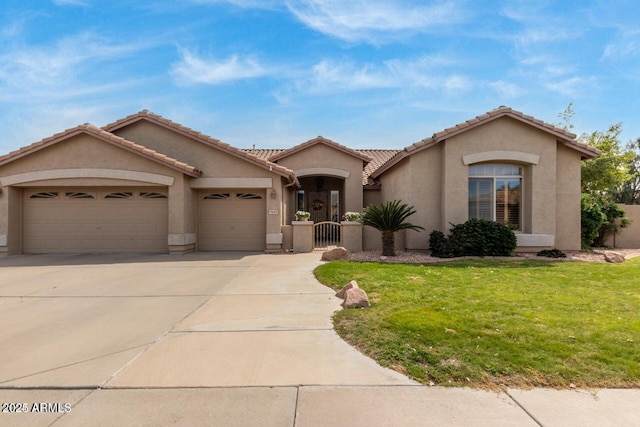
(611, 256)
(355, 298)
(335, 254)
(352, 284)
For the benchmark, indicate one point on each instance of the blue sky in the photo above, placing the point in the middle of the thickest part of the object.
(274, 73)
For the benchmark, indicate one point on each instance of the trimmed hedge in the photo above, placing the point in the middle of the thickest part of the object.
(476, 237)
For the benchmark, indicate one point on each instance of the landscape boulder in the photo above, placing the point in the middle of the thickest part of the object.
(355, 298)
(611, 256)
(342, 292)
(335, 254)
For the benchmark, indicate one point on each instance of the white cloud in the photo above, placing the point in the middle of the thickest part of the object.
(59, 63)
(541, 22)
(507, 90)
(244, 4)
(332, 76)
(573, 86)
(627, 45)
(546, 66)
(374, 20)
(193, 69)
(70, 3)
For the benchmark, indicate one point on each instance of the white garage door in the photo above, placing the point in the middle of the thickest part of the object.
(232, 220)
(95, 220)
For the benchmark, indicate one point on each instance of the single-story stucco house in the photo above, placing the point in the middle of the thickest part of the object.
(147, 184)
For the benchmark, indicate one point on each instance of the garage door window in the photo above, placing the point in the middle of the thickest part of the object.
(216, 196)
(119, 195)
(248, 196)
(44, 195)
(152, 195)
(78, 195)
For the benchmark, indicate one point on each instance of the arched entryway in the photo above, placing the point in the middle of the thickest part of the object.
(322, 197)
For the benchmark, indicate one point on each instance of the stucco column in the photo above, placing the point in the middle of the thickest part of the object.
(352, 236)
(302, 236)
(274, 218)
(181, 238)
(4, 221)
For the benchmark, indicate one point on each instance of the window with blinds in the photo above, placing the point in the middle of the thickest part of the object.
(495, 193)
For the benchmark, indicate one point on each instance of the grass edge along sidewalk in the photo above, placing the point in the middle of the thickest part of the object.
(496, 324)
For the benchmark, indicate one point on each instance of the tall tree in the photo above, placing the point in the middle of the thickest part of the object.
(629, 193)
(388, 219)
(608, 172)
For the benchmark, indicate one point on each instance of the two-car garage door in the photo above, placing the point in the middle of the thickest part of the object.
(93, 220)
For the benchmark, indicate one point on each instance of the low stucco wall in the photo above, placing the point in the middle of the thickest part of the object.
(628, 238)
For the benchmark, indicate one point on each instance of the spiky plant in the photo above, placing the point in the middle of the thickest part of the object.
(389, 218)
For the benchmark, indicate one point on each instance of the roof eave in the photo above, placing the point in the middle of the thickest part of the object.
(200, 137)
(104, 136)
(320, 140)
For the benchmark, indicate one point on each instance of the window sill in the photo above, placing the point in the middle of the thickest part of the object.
(535, 240)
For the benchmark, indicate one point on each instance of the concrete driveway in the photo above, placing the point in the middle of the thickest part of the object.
(213, 339)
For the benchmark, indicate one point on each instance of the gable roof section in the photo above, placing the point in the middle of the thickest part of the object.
(105, 136)
(562, 136)
(203, 139)
(320, 140)
(378, 158)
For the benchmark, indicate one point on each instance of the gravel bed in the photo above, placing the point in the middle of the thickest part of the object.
(423, 257)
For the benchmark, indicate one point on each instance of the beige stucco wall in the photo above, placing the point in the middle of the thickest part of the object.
(504, 134)
(417, 181)
(426, 185)
(435, 181)
(323, 156)
(10, 219)
(568, 199)
(370, 236)
(82, 151)
(214, 163)
(628, 238)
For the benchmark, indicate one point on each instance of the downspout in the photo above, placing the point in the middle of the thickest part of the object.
(294, 182)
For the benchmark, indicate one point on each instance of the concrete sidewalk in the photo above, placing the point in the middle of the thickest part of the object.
(247, 341)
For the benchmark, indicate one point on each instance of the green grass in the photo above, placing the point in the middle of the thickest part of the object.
(484, 323)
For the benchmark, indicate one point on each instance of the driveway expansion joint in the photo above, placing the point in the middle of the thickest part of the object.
(506, 392)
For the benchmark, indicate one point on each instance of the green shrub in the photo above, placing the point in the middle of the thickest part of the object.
(552, 253)
(439, 245)
(476, 237)
(591, 218)
(600, 217)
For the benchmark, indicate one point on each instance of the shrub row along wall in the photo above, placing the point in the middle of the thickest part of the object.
(628, 238)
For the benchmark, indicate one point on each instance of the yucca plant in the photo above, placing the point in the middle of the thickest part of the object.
(389, 218)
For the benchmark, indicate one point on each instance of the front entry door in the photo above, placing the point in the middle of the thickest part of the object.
(318, 205)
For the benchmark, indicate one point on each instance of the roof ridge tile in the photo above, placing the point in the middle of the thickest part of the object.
(203, 138)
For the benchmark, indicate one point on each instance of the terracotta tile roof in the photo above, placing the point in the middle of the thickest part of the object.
(264, 153)
(204, 139)
(567, 138)
(103, 135)
(319, 140)
(378, 158)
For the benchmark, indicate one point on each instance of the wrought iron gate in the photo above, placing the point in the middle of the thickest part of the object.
(326, 235)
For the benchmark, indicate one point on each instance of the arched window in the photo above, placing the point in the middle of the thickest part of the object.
(495, 193)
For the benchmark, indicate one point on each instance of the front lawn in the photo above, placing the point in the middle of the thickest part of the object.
(489, 324)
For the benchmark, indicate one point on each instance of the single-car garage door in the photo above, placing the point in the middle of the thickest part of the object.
(95, 220)
(232, 220)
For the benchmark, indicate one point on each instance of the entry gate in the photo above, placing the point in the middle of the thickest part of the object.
(326, 235)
